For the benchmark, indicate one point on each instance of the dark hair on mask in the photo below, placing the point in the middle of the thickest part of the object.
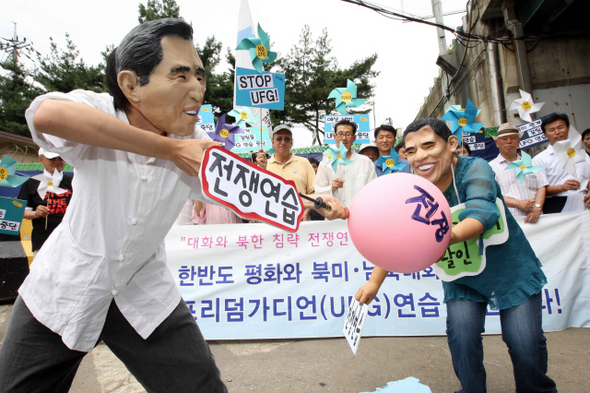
(586, 132)
(313, 160)
(345, 122)
(141, 52)
(400, 145)
(438, 126)
(554, 117)
(385, 127)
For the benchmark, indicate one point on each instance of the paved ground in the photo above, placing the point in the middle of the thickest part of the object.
(328, 365)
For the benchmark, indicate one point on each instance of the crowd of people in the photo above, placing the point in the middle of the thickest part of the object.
(550, 190)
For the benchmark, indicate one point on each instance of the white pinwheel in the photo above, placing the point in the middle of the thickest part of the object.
(570, 151)
(49, 183)
(525, 106)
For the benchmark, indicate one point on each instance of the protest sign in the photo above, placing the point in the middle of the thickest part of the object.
(250, 191)
(260, 91)
(11, 215)
(362, 132)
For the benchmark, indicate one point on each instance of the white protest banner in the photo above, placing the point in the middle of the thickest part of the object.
(252, 281)
(250, 191)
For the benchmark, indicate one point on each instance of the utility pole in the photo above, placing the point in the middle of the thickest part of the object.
(442, 48)
(14, 44)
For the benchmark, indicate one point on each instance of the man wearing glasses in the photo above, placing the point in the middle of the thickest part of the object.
(348, 179)
(48, 212)
(286, 164)
(563, 191)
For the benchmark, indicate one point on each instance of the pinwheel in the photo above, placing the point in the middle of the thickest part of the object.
(523, 167)
(337, 156)
(346, 97)
(8, 178)
(226, 133)
(570, 151)
(259, 48)
(463, 119)
(243, 115)
(390, 163)
(49, 183)
(525, 106)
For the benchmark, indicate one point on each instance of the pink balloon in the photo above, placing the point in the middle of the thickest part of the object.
(400, 222)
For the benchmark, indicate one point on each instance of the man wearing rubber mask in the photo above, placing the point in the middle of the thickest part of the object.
(102, 274)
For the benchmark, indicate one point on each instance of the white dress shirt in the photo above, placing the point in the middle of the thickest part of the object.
(512, 187)
(356, 174)
(110, 244)
(556, 176)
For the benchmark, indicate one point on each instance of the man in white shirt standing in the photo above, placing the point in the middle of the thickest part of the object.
(348, 179)
(522, 200)
(565, 192)
(102, 274)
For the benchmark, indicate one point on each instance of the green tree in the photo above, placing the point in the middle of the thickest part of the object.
(16, 93)
(220, 86)
(63, 71)
(311, 73)
(158, 9)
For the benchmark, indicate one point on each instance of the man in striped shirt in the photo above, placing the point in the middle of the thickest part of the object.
(522, 199)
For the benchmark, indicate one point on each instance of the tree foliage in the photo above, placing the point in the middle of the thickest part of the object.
(311, 73)
(158, 9)
(220, 86)
(16, 93)
(63, 71)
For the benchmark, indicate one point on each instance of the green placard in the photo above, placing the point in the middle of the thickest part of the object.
(463, 259)
(11, 215)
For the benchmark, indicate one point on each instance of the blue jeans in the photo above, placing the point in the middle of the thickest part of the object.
(521, 331)
(174, 358)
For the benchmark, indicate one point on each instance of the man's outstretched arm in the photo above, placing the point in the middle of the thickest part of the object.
(81, 123)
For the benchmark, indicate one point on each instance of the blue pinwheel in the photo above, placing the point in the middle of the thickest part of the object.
(259, 48)
(243, 115)
(523, 167)
(226, 133)
(346, 97)
(337, 156)
(463, 119)
(8, 178)
(390, 163)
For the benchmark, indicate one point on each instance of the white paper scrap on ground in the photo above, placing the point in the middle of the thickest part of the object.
(408, 385)
(354, 322)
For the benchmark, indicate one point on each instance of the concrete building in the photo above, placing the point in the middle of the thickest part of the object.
(539, 46)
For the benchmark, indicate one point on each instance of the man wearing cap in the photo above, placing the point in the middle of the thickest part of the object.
(286, 164)
(565, 192)
(370, 150)
(48, 212)
(522, 200)
(385, 140)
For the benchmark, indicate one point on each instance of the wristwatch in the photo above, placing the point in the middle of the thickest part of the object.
(537, 205)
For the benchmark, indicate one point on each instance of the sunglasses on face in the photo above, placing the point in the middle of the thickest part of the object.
(287, 139)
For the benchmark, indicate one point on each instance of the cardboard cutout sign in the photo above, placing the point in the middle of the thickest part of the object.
(463, 259)
(255, 90)
(250, 191)
(206, 122)
(250, 140)
(354, 323)
(362, 133)
(11, 215)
